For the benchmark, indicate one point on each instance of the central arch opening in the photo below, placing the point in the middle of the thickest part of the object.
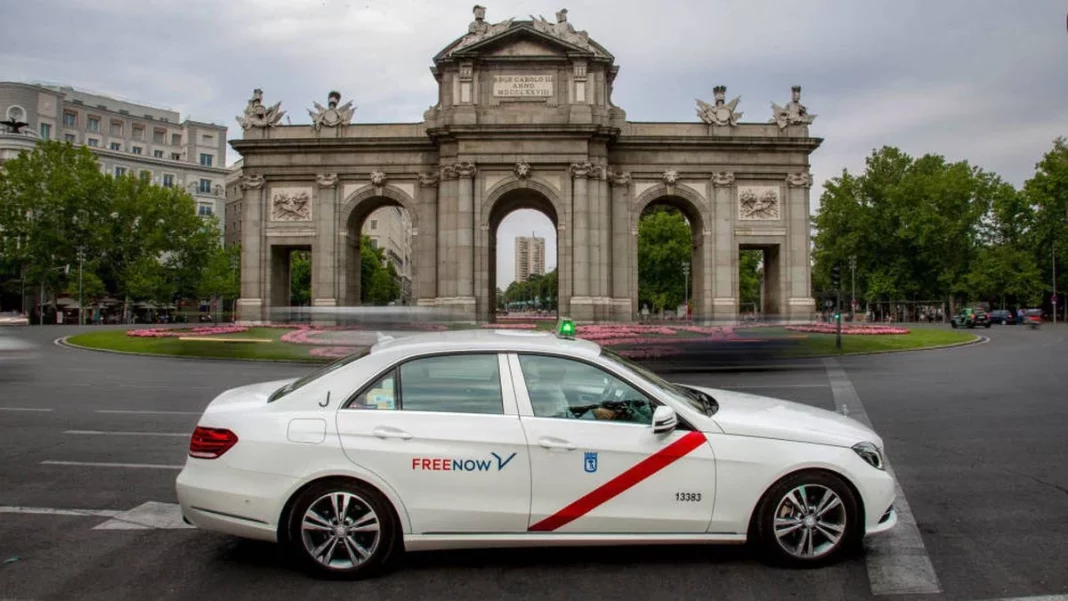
(523, 278)
(378, 254)
(669, 259)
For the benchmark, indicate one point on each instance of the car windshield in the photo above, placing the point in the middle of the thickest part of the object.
(315, 375)
(684, 394)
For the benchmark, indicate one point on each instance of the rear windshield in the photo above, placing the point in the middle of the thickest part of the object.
(315, 375)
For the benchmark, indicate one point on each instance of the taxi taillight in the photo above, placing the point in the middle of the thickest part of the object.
(211, 443)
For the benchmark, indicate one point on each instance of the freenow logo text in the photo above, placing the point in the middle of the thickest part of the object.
(443, 464)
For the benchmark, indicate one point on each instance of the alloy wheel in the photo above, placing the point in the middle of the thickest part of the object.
(810, 521)
(340, 530)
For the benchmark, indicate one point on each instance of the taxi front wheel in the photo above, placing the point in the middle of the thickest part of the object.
(808, 519)
(343, 529)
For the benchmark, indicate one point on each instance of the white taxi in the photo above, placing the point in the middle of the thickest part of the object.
(501, 438)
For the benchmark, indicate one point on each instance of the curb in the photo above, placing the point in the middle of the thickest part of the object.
(978, 340)
(63, 342)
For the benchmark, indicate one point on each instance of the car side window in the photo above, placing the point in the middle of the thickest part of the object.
(567, 389)
(380, 395)
(468, 383)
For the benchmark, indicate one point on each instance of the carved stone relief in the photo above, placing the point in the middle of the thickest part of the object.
(291, 206)
(522, 170)
(581, 169)
(670, 177)
(331, 115)
(757, 203)
(252, 182)
(620, 178)
(428, 180)
(326, 180)
(720, 113)
(378, 179)
(258, 115)
(799, 180)
(794, 113)
(465, 169)
(723, 179)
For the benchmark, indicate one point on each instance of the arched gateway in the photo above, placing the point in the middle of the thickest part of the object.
(524, 119)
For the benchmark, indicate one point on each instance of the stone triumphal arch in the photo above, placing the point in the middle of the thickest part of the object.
(524, 119)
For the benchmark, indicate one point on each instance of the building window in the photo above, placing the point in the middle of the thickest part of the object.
(205, 186)
(204, 210)
(70, 138)
(139, 132)
(116, 146)
(145, 175)
(374, 243)
(120, 171)
(135, 149)
(46, 131)
(92, 142)
(176, 139)
(205, 160)
(168, 180)
(159, 135)
(176, 156)
(116, 128)
(93, 124)
(157, 154)
(70, 119)
(374, 224)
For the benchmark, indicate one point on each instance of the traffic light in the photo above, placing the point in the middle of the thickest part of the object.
(836, 277)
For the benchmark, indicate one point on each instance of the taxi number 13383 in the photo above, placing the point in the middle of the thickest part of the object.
(688, 497)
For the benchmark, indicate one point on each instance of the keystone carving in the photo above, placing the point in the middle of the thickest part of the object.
(252, 182)
(522, 170)
(723, 179)
(670, 177)
(378, 179)
(799, 180)
(326, 180)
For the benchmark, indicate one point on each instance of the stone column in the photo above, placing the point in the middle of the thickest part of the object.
(324, 289)
(447, 233)
(425, 266)
(602, 227)
(581, 304)
(724, 263)
(621, 257)
(250, 304)
(465, 234)
(799, 303)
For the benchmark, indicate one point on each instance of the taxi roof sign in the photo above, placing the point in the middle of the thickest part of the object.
(566, 328)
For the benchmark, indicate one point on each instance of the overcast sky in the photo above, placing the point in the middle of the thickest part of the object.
(981, 80)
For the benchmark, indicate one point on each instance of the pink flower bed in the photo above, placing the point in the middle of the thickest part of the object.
(509, 326)
(330, 352)
(649, 353)
(174, 333)
(852, 330)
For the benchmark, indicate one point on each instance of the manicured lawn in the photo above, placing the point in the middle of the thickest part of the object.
(823, 344)
(117, 340)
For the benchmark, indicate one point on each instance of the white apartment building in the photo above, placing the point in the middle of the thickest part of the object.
(390, 228)
(529, 257)
(128, 138)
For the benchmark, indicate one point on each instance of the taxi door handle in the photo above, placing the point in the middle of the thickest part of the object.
(555, 443)
(384, 432)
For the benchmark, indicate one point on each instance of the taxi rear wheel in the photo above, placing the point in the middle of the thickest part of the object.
(343, 529)
(808, 519)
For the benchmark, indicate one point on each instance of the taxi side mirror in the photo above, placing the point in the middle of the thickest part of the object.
(664, 420)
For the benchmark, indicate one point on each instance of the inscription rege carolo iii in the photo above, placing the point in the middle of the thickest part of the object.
(511, 86)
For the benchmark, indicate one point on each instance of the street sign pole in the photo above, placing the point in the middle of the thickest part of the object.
(838, 314)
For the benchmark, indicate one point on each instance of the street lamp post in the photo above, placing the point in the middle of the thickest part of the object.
(1053, 251)
(686, 289)
(81, 302)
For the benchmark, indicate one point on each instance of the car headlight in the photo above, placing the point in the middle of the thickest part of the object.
(870, 453)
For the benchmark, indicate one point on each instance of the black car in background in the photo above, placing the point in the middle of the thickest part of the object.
(1003, 317)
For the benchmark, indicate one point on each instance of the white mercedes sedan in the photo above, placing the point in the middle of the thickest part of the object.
(503, 439)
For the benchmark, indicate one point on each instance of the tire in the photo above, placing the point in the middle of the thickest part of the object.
(364, 508)
(954, 324)
(778, 503)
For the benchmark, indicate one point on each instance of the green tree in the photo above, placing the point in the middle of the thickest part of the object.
(379, 284)
(663, 246)
(1047, 193)
(749, 271)
(300, 264)
(221, 277)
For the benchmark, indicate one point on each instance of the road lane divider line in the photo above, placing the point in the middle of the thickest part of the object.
(104, 433)
(108, 513)
(897, 560)
(146, 412)
(153, 466)
(37, 409)
(148, 516)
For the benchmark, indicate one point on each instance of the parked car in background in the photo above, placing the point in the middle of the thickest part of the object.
(971, 318)
(13, 318)
(1003, 317)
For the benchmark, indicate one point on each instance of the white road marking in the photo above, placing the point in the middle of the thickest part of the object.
(103, 433)
(1035, 598)
(53, 511)
(25, 409)
(152, 466)
(147, 412)
(747, 386)
(898, 563)
(147, 516)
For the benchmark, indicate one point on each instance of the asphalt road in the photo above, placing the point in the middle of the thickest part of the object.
(976, 436)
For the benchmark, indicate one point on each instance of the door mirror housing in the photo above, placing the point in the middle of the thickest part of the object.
(664, 420)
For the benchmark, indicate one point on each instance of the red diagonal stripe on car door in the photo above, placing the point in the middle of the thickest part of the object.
(621, 483)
